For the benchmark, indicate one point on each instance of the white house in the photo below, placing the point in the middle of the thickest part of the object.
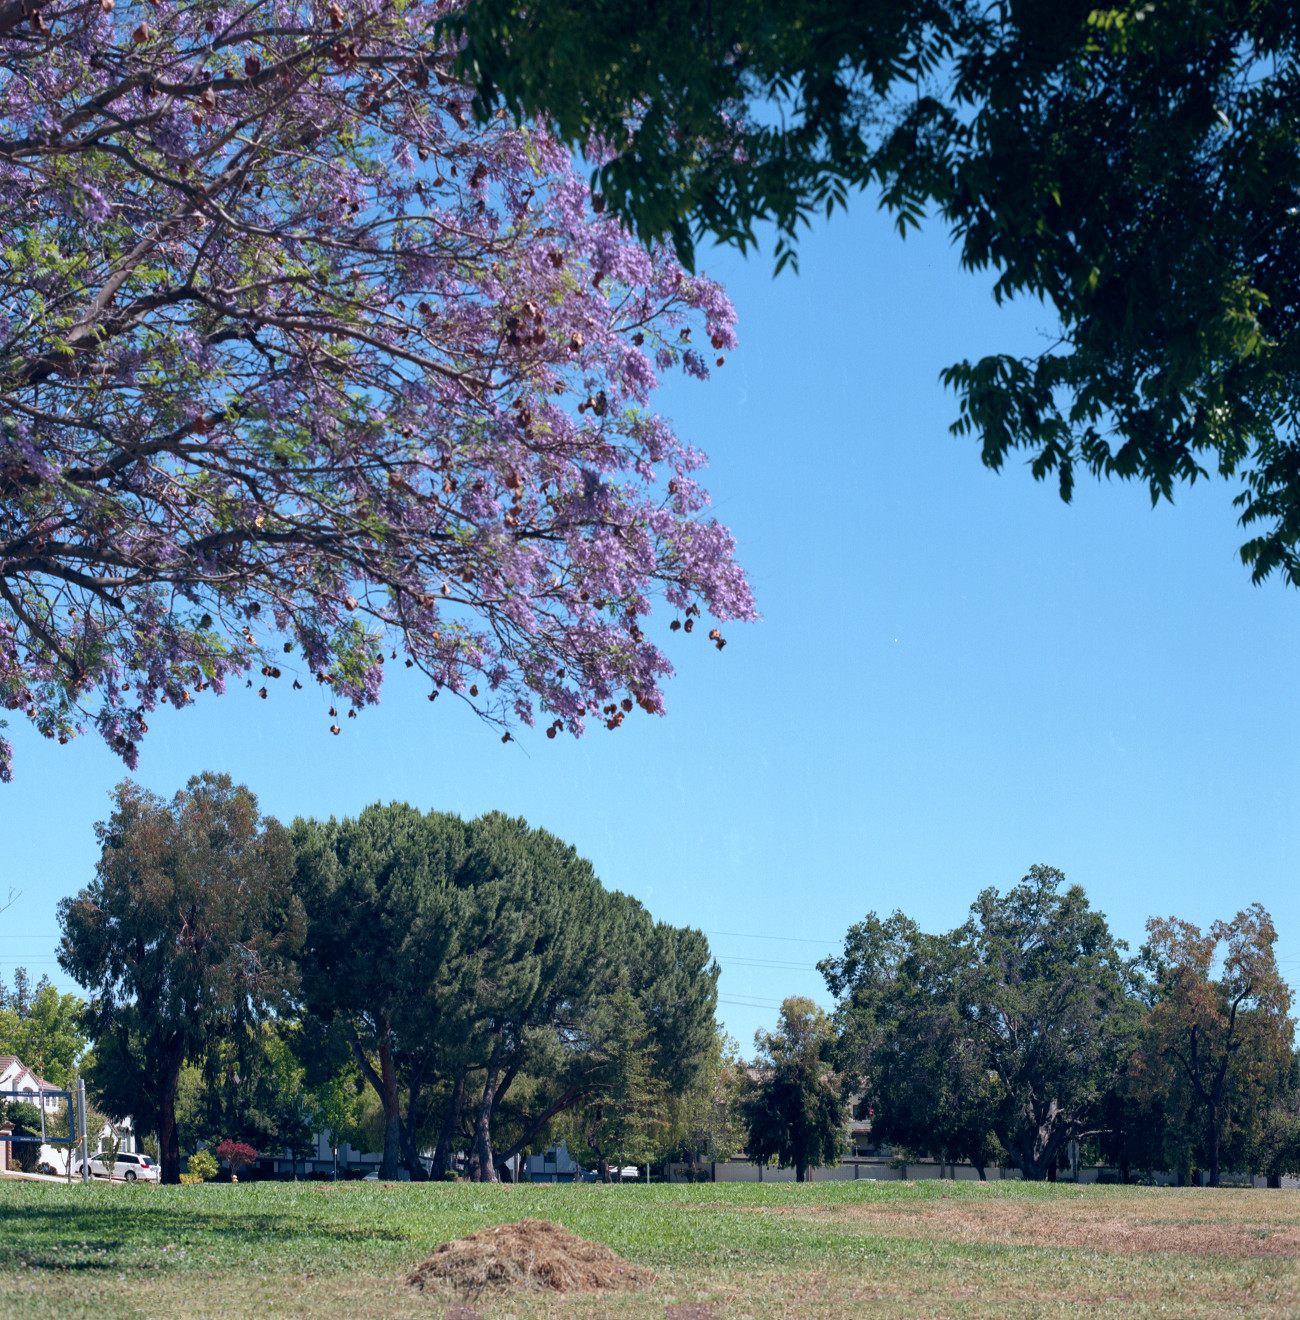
(16, 1076)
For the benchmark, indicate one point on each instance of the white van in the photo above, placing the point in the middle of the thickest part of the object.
(128, 1168)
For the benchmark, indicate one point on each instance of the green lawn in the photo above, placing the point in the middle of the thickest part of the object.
(928, 1249)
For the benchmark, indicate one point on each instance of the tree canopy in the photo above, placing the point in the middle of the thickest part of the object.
(43, 1027)
(475, 968)
(1023, 1019)
(796, 1108)
(382, 957)
(1135, 167)
(293, 355)
(185, 936)
(905, 1039)
(1226, 1038)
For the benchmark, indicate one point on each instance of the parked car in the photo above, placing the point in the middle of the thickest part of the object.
(128, 1168)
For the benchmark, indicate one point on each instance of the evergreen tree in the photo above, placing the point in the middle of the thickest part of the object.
(185, 936)
(382, 957)
(466, 964)
(623, 1119)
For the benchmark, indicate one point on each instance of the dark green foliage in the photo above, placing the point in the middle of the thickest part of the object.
(184, 938)
(466, 964)
(1007, 1034)
(385, 956)
(1136, 168)
(666, 86)
(26, 1119)
(570, 1056)
(796, 1110)
(249, 1087)
(620, 1122)
(931, 1090)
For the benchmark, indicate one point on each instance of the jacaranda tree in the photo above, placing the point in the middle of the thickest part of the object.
(292, 356)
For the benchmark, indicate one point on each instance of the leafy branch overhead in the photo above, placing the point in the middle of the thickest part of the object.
(1135, 168)
(301, 373)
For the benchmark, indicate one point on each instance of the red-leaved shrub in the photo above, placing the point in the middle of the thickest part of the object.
(237, 1154)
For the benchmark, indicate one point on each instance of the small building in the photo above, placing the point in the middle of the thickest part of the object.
(555, 1166)
(16, 1076)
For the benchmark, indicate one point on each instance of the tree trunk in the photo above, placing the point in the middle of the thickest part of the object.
(385, 1084)
(1039, 1147)
(444, 1156)
(801, 1172)
(1214, 1145)
(392, 1111)
(1125, 1172)
(169, 1140)
(411, 1155)
(481, 1151)
(979, 1168)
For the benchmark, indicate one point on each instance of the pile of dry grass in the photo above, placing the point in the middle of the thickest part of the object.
(530, 1253)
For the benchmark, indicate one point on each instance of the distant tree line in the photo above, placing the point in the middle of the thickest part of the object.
(419, 984)
(1029, 1028)
(42, 1027)
(407, 981)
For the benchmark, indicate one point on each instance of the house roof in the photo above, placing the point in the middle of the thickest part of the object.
(22, 1071)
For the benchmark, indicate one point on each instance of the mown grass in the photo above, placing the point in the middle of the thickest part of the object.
(900, 1251)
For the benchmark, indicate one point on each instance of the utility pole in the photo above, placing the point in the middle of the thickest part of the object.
(81, 1123)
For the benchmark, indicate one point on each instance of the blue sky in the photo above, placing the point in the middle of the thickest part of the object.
(956, 676)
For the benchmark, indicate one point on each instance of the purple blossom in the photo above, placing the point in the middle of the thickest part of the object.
(399, 405)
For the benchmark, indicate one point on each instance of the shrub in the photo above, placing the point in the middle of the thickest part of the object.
(190, 1180)
(23, 1112)
(26, 1119)
(202, 1165)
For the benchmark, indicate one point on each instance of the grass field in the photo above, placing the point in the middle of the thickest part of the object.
(925, 1250)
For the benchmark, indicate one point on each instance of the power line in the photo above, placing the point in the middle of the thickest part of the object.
(764, 962)
(792, 939)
